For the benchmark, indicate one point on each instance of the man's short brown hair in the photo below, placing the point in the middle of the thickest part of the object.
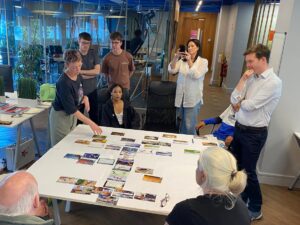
(116, 36)
(260, 51)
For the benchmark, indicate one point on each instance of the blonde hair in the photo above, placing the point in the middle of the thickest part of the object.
(220, 168)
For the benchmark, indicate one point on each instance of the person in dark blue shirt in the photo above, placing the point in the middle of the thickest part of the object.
(226, 130)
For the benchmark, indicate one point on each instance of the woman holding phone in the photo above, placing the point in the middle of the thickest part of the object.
(191, 69)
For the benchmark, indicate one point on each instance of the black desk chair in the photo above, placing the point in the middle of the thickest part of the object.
(161, 111)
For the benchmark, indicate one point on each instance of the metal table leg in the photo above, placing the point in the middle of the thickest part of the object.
(18, 142)
(56, 214)
(294, 181)
(34, 138)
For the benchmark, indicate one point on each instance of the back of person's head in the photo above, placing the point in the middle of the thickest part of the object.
(260, 51)
(19, 192)
(85, 36)
(220, 171)
(116, 36)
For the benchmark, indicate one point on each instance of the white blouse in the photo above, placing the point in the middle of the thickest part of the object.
(189, 89)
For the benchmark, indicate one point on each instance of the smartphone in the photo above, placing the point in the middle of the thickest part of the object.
(181, 48)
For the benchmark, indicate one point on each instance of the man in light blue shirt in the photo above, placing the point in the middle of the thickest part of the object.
(254, 100)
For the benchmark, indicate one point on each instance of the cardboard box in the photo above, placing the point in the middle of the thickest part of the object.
(25, 155)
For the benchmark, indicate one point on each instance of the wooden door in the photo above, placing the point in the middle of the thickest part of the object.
(203, 25)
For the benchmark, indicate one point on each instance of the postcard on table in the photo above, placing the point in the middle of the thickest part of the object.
(67, 180)
(166, 144)
(99, 140)
(86, 161)
(83, 182)
(90, 155)
(122, 167)
(149, 142)
(99, 137)
(103, 191)
(123, 194)
(154, 138)
(128, 139)
(72, 156)
(143, 170)
(84, 142)
(117, 133)
(152, 178)
(164, 153)
(107, 200)
(180, 142)
(113, 147)
(191, 151)
(145, 196)
(209, 144)
(86, 190)
(169, 136)
(114, 184)
(129, 150)
(107, 161)
(118, 175)
(133, 145)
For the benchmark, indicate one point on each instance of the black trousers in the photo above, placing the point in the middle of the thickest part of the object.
(94, 111)
(246, 147)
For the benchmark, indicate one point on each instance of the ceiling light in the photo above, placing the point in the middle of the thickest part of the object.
(198, 6)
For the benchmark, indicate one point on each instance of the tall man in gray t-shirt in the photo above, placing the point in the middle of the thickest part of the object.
(89, 71)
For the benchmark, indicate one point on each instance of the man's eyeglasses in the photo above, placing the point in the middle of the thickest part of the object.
(164, 201)
(115, 42)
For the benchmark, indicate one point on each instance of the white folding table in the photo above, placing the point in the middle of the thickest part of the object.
(177, 171)
(17, 121)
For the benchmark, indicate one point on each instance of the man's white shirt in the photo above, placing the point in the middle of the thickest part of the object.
(259, 97)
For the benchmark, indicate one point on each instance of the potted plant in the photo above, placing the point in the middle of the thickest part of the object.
(29, 70)
(2, 94)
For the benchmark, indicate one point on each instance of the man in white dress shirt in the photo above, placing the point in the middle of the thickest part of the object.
(254, 99)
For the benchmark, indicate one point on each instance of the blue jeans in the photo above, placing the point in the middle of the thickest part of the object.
(188, 118)
(246, 147)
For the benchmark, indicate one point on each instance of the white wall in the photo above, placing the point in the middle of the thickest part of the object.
(279, 162)
(220, 42)
(237, 42)
(232, 33)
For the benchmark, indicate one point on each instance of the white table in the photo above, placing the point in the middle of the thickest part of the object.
(297, 136)
(17, 122)
(177, 172)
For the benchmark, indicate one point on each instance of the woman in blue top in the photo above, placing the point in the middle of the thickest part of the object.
(191, 69)
(69, 95)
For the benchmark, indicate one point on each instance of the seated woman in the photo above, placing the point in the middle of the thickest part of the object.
(118, 112)
(69, 95)
(221, 184)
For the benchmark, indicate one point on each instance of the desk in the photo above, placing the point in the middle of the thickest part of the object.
(177, 171)
(297, 136)
(18, 121)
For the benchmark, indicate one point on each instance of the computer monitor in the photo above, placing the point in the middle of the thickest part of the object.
(6, 73)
